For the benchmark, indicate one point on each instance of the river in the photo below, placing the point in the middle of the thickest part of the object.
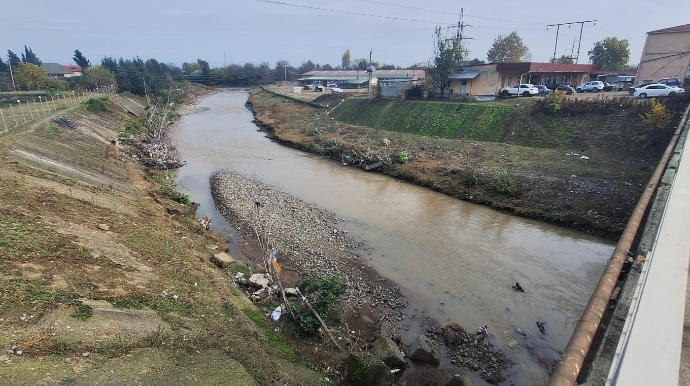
(453, 260)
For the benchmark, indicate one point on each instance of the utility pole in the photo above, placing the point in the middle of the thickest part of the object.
(370, 70)
(12, 75)
(558, 27)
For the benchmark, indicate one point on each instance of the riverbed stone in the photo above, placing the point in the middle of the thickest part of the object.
(425, 350)
(386, 350)
(221, 259)
(365, 369)
(259, 280)
(461, 380)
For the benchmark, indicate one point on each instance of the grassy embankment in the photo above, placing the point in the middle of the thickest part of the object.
(511, 154)
(99, 283)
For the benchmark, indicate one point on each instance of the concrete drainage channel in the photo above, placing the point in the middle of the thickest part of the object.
(602, 353)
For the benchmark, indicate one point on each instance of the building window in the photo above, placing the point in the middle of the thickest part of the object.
(503, 82)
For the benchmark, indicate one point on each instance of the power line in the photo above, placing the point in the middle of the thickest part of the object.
(558, 27)
(346, 12)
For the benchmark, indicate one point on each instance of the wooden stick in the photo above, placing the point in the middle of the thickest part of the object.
(306, 302)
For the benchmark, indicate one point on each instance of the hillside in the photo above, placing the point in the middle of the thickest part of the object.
(106, 280)
(583, 167)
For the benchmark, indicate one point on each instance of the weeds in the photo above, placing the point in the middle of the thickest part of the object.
(324, 292)
(658, 118)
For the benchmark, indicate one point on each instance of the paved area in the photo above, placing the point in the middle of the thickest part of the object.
(653, 349)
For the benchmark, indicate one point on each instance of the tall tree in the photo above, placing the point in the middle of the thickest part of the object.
(448, 54)
(80, 60)
(346, 59)
(13, 59)
(306, 67)
(359, 64)
(98, 76)
(509, 48)
(563, 59)
(203, 66)
(610, 54)
(31, 75)
(29, 57)
(4, 67)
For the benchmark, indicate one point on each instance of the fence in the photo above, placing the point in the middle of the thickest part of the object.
(27, 110)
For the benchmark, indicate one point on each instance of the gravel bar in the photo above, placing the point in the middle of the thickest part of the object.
(305, 238)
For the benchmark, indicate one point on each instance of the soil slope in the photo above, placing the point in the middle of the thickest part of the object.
(583, 167)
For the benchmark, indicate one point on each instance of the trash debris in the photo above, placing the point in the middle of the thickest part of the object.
(584, 157)
(275, 315)
(517, 287)
(540, 325)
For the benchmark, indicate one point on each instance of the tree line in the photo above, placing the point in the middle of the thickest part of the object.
(150, 76)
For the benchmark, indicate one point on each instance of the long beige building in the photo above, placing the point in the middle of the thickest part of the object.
(666, 54)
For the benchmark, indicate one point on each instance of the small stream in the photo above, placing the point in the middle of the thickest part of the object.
(453, 260)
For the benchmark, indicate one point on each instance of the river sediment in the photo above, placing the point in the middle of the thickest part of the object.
(304, 238)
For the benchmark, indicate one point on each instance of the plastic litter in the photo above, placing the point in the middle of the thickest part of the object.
(275, 315)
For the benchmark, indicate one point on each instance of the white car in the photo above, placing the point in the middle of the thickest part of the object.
(524, 89)
(657, 90)
(593, 86)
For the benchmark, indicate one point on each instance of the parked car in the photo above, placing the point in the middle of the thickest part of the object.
(593, 86)
(631, 90)
(568, 89)
(331, 84)
(608, 87)
(524, 89)
(671, 82)
(657, 90)
(318, 88)
(543, 90)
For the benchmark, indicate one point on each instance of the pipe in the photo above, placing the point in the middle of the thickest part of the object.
(570, 364)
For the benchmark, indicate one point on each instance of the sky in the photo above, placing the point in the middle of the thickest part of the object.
(399, 32)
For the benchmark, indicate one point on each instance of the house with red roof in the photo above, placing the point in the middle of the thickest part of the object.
(75, 70)
(666, 54)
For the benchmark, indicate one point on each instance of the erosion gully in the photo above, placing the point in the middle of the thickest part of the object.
(453, 260)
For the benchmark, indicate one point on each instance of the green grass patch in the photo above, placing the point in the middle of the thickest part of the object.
(473, 121)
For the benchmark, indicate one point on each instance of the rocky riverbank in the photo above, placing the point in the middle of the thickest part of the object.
(304, 238)
(308, 241)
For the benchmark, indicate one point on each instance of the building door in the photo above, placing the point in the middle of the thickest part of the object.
(463, 88)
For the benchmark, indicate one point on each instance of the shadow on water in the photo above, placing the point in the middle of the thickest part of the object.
(454, 260)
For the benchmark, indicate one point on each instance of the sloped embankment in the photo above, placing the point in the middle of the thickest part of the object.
(583, 170)
(105, 280)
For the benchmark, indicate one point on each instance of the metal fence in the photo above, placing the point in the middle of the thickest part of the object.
(27, 110)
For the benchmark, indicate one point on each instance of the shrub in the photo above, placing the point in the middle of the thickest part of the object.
(658, 117)
(554, 101)
(96, 104)
(471, 178)
(169, 190)
(323, 293)
(403, 157)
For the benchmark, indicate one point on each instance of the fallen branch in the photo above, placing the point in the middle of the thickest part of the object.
(323, 325)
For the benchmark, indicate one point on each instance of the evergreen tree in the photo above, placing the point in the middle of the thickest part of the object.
(29, 57)
(80, 60)
(13, 59)
(4, 67)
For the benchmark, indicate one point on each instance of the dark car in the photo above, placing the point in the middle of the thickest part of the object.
(608, 87)
(565, 87)
(631, 90)
(543, 90)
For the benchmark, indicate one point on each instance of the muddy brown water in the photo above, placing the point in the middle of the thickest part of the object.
(453, 260)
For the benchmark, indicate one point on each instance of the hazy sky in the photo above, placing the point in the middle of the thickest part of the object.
(399, 32)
